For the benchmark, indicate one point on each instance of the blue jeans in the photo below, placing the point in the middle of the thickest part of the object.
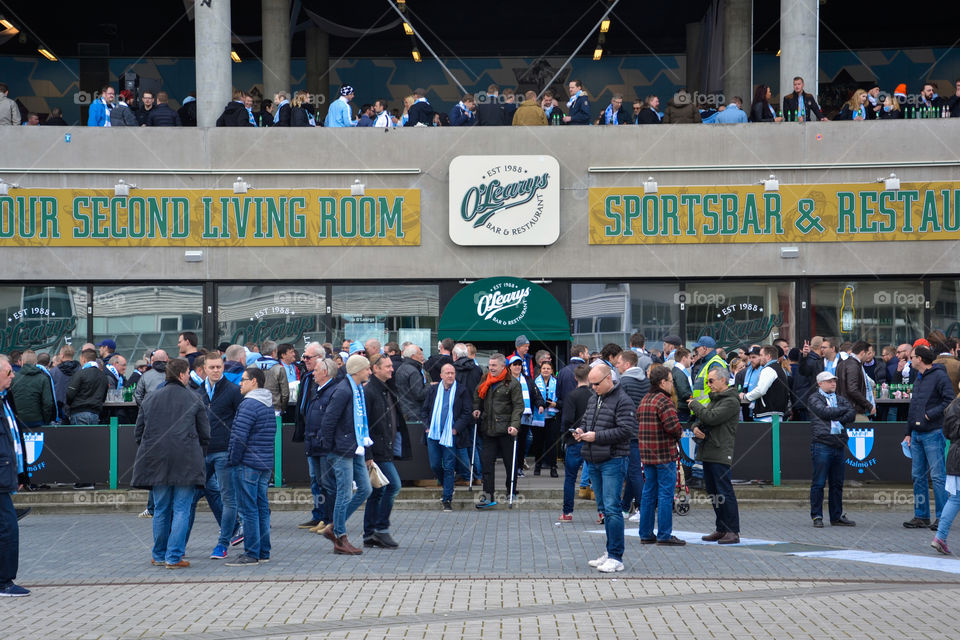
(226, 480)
(948, 515)
(255, 510)
(572, 461)
(376, 515)
(86, 417)
(442, 463)
(315, 489)
(607, 480)
(827, 465)
(927, 451)
(171, 521)
(328, 488)
(634, 486)
(347, 470)
(658, 487)
(210, 490)
(585, 476)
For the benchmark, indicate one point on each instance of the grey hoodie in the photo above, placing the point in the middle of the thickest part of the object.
(635, 383)
(263, 396)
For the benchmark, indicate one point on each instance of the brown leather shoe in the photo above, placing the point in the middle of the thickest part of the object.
(183, 564)
(461, 483)
(343, 546)
(729, 538)
(712, 537)
(327, 532)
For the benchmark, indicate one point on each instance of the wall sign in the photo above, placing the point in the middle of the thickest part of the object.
(210, 218)
(504, 200)
(796, 213)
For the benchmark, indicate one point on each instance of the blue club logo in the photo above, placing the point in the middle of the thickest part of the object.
(687, 444)
(860, 444)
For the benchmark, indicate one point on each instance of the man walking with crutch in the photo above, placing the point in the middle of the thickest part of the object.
(498, 404)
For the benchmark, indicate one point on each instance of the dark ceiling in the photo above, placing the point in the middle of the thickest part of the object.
(161, 28)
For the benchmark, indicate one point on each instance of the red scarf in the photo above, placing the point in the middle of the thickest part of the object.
(490, 381)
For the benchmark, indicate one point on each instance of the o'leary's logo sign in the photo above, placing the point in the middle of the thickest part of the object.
(504, 200)
(505, 303)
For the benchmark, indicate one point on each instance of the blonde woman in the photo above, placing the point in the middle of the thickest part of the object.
(407, 103)
(301, 113)
(890, 110)
(855, 108)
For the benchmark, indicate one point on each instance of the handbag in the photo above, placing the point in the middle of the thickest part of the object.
(377, 479)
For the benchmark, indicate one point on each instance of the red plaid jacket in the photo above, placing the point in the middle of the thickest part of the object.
(659, 428)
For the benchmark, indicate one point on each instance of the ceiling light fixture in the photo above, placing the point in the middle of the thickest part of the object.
(234, 56)
(416, 55)
(605, 26)
(597, 54)
(46, 54)
(407, 29)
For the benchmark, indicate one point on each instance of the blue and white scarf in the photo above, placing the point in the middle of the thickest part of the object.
(107, 108)
(14, 430)
(276, 111)
(53, 391)
(88, 365)
(751, 378)
(610, 116)
(830, 366)
(835, 427)
(549, 393)
(443, 432)
(116, 374)
(527, 417)
(210, 388)
(361, 428)
(801, 107)
(574, 98)
(197, 380)
(253, 121)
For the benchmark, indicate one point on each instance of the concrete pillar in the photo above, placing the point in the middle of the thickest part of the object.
(318, 68)
(799, 45)
(738, 50)
(276, 46)
(214, 75)
(694, 77)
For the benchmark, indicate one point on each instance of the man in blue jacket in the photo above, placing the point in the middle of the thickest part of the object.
(578, 106)
(221, 398)
(251, 452)
(345, 433)
(932, 394)
(13, 475)
(99, 115)
(447, 411)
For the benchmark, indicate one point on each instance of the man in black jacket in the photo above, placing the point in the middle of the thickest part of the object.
(852, 381)
(235, 113)
(323, 382)
(648, 114)
(221, 398)
(830, 414)
(313, 354)
(421, 112)
(574, 406)
(386, 424)
(87, 390)
(468, 376)
(13, 475)
(606, 429)
(490, 112)
(162, 115)
(446, 415)
(805, 110)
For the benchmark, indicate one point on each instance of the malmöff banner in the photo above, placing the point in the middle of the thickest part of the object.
(795, 213)
(210, 218)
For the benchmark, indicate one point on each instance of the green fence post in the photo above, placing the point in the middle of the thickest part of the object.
(114, 434)
(278, 455)
(776, 450)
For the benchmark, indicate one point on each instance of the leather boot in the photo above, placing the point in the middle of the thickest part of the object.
(343, 546)
(712, 537)
(327, 532)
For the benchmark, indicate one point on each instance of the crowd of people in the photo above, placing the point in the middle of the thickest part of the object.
(206, 423)
(496, 107)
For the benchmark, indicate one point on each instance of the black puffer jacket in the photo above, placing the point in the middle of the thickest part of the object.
(932, 393)
(951, 431)
(820, 416)
(614, 419)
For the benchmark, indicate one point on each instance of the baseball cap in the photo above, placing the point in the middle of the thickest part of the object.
(107, 343)
(823, 376)
(706, 341)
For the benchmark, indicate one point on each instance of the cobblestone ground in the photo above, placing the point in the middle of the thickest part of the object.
(487, 575)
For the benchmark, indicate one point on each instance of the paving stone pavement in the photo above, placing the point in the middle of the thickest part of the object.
(502, 574)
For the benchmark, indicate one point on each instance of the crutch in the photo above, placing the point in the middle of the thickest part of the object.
(513, 473)
(473, 453)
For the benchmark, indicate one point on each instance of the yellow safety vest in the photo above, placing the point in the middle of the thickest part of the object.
(700, 391)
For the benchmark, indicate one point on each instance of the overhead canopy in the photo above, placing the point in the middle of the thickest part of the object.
(500, 309)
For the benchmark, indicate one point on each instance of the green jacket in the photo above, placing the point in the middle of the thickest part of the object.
(33, 395)
(720, 417)
(501, 408)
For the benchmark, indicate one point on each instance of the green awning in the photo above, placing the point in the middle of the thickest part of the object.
(500, 309)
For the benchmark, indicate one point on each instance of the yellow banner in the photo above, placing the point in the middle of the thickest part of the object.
(795, 213)
(210, 218)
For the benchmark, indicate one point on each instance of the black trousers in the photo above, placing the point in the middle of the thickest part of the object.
(494, 447)
(716, 479)
(545, 443)
(9, 540)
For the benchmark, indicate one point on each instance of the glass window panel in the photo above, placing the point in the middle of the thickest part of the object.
(390, 313)
(146, 317)
(881, 313)
(605, 312)
(42, 318)
(945, 303)
(254, 313)
(738, 314)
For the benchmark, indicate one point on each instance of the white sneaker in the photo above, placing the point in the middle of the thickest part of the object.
(635, 517)
(610, 566)
(145, 514)
(599, 561)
